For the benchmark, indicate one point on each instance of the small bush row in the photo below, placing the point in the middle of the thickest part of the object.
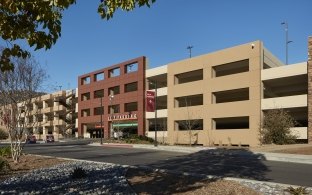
(5, 151)
(4, 165)
(138, 138)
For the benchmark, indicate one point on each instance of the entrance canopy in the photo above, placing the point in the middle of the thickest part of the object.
(134, 124)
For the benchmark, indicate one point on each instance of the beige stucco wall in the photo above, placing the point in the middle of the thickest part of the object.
(208, 111)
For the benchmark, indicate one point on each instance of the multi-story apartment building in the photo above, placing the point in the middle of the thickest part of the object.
(51, 114)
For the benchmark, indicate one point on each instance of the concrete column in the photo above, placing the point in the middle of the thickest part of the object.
(35, 106)
(56, 116)
(84, 131)
(45, 104)
(56, 132)
(310, 90)
(45, 131)
(56, 104)
(45, 118)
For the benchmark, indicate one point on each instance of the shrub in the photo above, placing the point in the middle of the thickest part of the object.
(4, 165)
(134, 139)
(276, 127)
(3, 134)
(296, 191)
(79, 173)
(5, 151)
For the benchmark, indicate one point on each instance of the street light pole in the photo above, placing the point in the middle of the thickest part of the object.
(190, 50)
(101, 129)
(155, 143)
(111, 97)
(286, 41)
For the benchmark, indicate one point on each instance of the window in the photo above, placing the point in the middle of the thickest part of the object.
(131, 87)
(39, 118)
(85, 80)
(40, 105)
(114, 72)
(132, 106)
(98, 111)
(161, 124)
(85, 112)
(186, 125)
(230, 95)
(187, 101)
(113, 109)
(230, 68)
(99, 76)
(131, 67)
(161, 102)
(99, 93)
(231, 123)
(187, 77)
(85, 96)
(113, 90)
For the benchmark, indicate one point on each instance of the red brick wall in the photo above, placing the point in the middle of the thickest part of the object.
(121, 99)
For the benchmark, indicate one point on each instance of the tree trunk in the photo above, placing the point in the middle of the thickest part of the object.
(16, 150)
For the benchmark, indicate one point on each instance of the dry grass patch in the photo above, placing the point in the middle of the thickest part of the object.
(27, 163)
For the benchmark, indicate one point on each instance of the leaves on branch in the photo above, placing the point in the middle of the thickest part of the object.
(39, 23)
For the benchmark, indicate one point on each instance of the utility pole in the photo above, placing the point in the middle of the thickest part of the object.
(286, 41)
(155, 83)
(190, 50)
(101, 129)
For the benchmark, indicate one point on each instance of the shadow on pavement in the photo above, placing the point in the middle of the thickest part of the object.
(148, 181)
(218, 162)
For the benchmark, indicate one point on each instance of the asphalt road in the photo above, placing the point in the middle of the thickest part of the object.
(201, 162)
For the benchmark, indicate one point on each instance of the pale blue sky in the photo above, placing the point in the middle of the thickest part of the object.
(163, 32)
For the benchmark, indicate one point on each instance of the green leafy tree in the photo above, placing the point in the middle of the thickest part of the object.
(38, 22)
(276, 126)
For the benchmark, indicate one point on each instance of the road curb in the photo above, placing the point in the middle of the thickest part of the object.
(112, 145)
(280, 157)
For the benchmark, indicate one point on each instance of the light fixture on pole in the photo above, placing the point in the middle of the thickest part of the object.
(286, 41)
(190, 50)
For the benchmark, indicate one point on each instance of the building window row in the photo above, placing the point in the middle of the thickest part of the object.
(129, 87)
(226, 123)
(114, 72)
(111, 109)
(217, 71)
(233, 95)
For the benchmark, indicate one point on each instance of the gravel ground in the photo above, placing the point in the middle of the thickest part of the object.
(101, 179)
(109, 179)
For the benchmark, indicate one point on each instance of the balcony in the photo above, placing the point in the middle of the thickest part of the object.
(58, 108)
(59, 122)
(46, 110)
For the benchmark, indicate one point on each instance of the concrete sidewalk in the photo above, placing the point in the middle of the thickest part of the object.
(270, 156)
